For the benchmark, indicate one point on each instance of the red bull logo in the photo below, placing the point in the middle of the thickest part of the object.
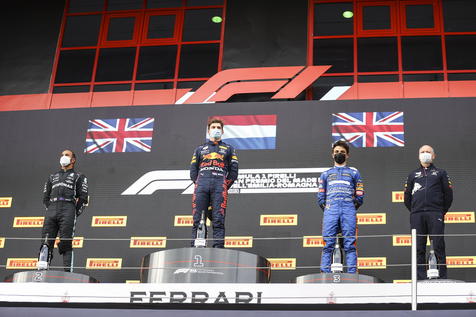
(214, 156)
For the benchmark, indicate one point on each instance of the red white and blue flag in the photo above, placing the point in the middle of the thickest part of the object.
(369, 129)
(119, 135)
(250, 132)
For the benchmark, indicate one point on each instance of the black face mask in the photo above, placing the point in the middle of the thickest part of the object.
(339, 158)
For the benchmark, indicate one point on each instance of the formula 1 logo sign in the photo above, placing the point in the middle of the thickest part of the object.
(288, 82)
(250, 181)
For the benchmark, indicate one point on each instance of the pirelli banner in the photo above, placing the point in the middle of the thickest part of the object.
(137, 163)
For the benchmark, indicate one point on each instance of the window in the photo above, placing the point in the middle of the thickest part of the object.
(138, 44)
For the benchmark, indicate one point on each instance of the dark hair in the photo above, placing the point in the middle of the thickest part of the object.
(215, 120)
(73, 155)
(341, 143)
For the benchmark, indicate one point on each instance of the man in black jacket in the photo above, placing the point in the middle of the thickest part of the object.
(64, 196)
(428, 196)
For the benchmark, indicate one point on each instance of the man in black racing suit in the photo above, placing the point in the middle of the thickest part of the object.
(64, 196)
(213, 170)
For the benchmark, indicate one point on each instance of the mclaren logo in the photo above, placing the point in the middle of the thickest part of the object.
(104, 264)
(5, 202)
(459, 217)
(312, 242)
(2, 242)
(109, 221)
(77, 242)
(372, 219)
(397, 197)
(28, 222)
(238, 242)
(461, 261)
(21, 263)
(278, 220)
(282, 263)
(186, 221)
(372, 263)
(148, 242)
(250, 181)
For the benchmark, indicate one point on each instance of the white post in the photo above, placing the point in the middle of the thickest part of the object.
(414, 270)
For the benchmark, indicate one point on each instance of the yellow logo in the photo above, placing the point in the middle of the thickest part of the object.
(238, 242)
(2, 242)
(109, 221)
(28, 222)
(77, 242)
(459, 217)
(372, 263)
(282, 263)
(148, 242)
(278, 220)
(186, 221)
(132, 281)
(404, 240)
(6, 202)
(401, 281)
(21, 263)
(398, 197)
(372, 219)
(312, 242)
(461, 261)
(104, 264)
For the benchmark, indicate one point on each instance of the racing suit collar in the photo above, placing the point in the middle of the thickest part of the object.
(67, 171)
(429, 167)
(210, 142)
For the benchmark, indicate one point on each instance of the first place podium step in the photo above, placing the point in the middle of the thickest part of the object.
(204, 265)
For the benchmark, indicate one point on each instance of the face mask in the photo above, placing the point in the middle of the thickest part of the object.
(65, 161)
(339, 158)
(215, 133)
(425, 158)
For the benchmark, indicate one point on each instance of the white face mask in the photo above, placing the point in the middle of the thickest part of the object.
(65, 161)
(215, 133)
(426, 158)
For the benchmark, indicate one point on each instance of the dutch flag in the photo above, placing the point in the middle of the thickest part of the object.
(250, 132)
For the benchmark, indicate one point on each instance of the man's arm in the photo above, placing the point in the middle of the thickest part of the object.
(232, 168)
(447, 192)
(81, 193)
(194, 165)
(359, 190)
(407, 196)
(47, 192)
(321, 194)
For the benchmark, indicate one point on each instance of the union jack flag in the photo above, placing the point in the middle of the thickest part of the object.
(369, 129)
(119, 135)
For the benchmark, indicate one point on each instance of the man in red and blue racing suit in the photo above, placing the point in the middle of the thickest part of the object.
(213, 170)
(341, 192)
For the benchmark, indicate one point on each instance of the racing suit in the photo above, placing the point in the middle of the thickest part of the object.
(64, 195)
(213, 170)
(341, 192)
(428, 196)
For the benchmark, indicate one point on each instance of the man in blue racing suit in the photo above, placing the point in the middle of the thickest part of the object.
(213, 170)
(341, 193)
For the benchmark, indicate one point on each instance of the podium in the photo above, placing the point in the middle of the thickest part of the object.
(204, 265)
(43, 276)
(336, 278)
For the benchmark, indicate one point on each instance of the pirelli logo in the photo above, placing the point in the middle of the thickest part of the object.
(104, 264)
(401, 281)
(372, 263)
(372, 219)
(282, 263)
(461, 261)
(2, 243)
(77, 242)
(148, 242)
(404, 240)
(312, 242)
(21, 263)
(28, 222)
(238, 242)
(459, 217)
(398, 197)
(109, 221)
(6, 202)
(278, 220)
(132, 281)
(186, 221)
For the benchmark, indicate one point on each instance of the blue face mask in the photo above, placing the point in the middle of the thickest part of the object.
(215, 133)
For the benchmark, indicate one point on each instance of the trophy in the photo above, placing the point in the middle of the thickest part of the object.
(201, 238)
(432, 272)
(44, 257)
(336, 266)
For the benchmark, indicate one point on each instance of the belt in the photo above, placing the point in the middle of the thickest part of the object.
(61, 199)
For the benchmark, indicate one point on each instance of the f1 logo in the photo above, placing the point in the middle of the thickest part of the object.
(288, 82)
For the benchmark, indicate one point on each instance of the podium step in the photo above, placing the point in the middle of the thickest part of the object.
(44, 276)
(336, 278)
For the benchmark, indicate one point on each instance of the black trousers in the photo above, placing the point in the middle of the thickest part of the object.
(429, 223)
